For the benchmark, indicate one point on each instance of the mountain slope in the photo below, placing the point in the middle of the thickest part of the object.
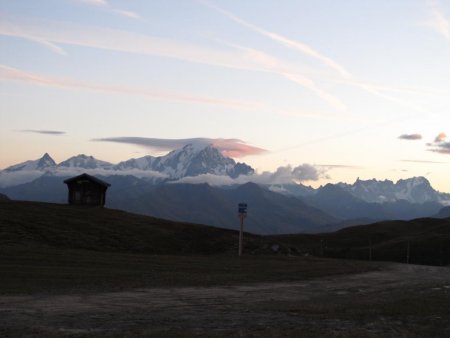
(269, 212)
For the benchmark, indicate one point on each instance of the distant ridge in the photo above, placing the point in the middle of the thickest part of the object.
(443, 213)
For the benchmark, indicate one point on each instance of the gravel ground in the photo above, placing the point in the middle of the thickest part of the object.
(398, 301)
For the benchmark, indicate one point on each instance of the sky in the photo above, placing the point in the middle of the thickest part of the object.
(353, 88)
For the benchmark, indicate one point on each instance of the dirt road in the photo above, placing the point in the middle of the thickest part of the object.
(401, 300)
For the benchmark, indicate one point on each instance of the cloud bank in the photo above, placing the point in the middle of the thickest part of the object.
(283, 175)
(228, 147)
(441, 148)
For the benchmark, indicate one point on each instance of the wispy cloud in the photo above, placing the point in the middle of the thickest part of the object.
(440, 23)
(46, 132)
(281, 68)
(290, 43)
(121, 41)
(106, 5)
(236, 57)
(228, 147)
(338, 166)
(410, 137)
(9, 73)
(99, 3)
(389, 88)
(424, 161)
(286, 70)
(51, 46)
(311, 52)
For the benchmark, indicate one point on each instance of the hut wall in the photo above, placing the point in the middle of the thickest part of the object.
(85, 192)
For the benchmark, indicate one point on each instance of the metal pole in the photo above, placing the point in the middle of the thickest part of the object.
(407, 253)
(241, 235)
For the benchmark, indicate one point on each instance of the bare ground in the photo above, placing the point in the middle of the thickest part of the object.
(397, 301)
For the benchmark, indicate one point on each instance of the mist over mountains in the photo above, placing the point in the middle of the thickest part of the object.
(163, 187)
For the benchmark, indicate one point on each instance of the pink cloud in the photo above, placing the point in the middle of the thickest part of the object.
(228, 147)
(440, 138)
(236, 148)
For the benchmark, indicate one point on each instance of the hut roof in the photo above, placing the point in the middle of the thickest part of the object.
(87, 177)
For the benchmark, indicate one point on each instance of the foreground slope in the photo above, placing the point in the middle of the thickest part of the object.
(419, 241)
(100, 229)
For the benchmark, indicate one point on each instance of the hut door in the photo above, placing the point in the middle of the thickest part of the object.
(77, 196)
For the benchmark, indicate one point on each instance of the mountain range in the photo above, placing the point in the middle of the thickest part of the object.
(155, 186)
(191, 160)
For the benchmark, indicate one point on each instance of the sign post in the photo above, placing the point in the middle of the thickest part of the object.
(242, 209)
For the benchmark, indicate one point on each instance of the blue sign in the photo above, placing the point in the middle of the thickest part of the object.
(242, 208)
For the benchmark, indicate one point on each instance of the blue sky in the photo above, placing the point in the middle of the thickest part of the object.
(361, 88)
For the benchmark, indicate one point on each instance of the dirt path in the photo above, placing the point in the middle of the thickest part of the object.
(350, 304)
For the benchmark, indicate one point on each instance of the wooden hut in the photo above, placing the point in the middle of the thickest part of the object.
(87, 190)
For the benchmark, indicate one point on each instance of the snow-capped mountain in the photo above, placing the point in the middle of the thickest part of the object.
(41, 164)
(85, 162)
(191, 160)
(414, 190)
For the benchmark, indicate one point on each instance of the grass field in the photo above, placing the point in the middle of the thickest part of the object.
(44, 269)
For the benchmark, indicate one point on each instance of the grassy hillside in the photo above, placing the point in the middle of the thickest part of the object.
(101, 229)
(50, 247)
(428, 240)
(28, 224)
